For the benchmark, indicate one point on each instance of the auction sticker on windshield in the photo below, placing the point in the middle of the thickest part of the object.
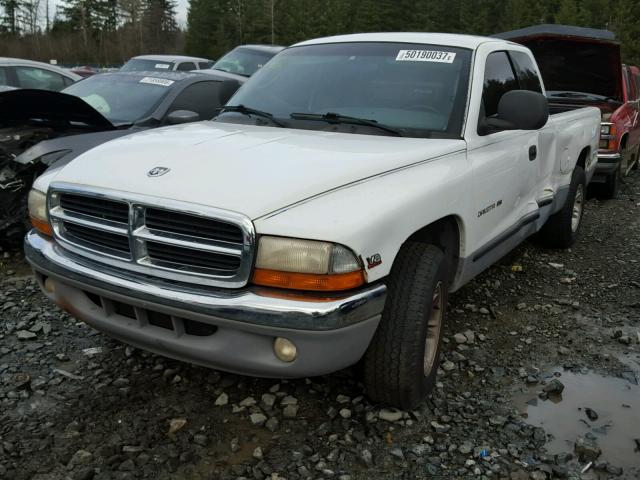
(157, 81)
(164, 66)
(425, 56)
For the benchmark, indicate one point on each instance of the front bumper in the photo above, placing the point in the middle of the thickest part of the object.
(232, 330)
(607, 164)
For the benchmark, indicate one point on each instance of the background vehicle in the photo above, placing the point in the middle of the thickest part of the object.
(245, 60)
(19, 73)
(164, 63)
(86, 114)
(325, 215)
(583, 66)
(84, 71)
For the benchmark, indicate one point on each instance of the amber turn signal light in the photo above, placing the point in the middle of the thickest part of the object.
(42, 226)
(308, 281)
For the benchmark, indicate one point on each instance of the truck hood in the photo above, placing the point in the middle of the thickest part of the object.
(574, 59)
(248, 169)
(57, 110)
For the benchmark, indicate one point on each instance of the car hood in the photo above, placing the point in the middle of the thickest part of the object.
(248, 169)
(52, 109)
(66, 148)
(573, 61)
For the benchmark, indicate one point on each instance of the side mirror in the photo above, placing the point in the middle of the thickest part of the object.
(520, 110)
(182, 116)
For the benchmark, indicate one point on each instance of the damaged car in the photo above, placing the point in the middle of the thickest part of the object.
(583, 67)
(39, 128)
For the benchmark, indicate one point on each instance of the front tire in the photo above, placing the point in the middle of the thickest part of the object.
(402, 360)
(562, 228)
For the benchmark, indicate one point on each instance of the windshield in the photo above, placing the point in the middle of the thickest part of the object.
(242, 61)
(140, 65)
(122, 99)
(419, 90)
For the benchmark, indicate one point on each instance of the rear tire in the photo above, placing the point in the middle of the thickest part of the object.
(402, 360)
(562, 228)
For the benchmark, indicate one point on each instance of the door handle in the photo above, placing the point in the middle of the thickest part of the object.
(533, 152)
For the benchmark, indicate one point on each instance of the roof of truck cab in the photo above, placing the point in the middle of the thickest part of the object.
(449, 39)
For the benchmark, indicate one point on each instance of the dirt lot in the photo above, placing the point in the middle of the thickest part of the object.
(75, 404)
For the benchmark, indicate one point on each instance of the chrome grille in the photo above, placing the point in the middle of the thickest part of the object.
(95, 207)
(181, 242)
(166, 221)
(186, 257)
(112, 242)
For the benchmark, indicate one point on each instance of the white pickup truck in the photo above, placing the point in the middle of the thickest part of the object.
(324, 216)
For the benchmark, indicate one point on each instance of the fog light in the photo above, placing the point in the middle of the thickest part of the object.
(284, 349)
(49, 285)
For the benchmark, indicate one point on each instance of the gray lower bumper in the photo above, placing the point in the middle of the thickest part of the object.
(607, 165)
(330, 333)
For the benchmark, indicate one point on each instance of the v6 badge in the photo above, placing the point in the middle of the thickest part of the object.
(374, 260)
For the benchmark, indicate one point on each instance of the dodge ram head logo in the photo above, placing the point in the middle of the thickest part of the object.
(158, 171)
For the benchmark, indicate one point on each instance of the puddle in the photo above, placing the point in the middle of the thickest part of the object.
(616, 402)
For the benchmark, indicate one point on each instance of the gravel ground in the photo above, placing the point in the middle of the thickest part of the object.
(539, 380)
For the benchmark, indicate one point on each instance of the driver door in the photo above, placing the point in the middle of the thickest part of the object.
(503, 164)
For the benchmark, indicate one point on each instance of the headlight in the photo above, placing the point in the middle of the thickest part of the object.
(306, 265)
(605, 129)
(38, 212)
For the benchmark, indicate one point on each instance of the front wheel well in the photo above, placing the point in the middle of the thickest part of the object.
(444, 234)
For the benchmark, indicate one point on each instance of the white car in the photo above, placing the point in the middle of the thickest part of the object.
(20, 73)
(324, 217)
(165, 63)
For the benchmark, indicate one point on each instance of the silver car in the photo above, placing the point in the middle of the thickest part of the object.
(165, 63)
(21, 73)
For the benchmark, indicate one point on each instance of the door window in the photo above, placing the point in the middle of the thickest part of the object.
(498, 80)
(528, 77)
(3, 76)
(39, 78)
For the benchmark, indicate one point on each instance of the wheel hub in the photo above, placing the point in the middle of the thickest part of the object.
(578, 203)
(434, 323)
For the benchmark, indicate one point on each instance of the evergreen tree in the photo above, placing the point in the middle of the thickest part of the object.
(159, 24)
(9, 21)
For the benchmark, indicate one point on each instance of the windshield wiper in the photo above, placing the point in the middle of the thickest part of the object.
(229, 71)
(252, 111)
(331, 117)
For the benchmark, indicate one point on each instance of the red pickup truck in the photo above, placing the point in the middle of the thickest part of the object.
(583, 67)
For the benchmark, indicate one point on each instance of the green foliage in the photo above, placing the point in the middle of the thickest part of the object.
(113, 30)
(215, 26)
(10, 17)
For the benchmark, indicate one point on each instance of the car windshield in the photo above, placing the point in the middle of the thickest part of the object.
(142, 65)
(419, 90)
(242, 61)
(122, 99)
